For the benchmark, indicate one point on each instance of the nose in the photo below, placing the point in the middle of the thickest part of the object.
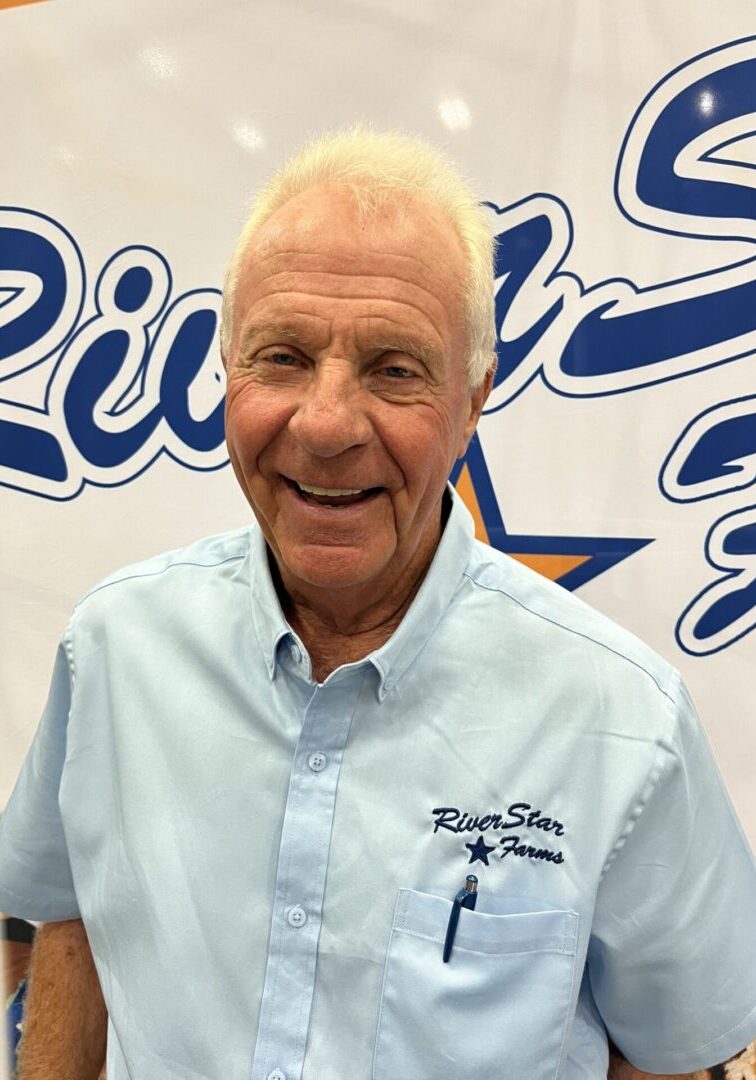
(331, 418)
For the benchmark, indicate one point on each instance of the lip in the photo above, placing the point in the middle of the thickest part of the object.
(291, 482)
(331, 513)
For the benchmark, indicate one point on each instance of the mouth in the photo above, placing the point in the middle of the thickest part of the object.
(333, 497)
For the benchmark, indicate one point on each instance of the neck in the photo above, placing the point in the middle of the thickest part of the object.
(341, 626)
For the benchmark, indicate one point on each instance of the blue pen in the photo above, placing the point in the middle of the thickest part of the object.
(466, 897)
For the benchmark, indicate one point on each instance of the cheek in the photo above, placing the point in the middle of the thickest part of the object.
(253, 420)
(424, 447)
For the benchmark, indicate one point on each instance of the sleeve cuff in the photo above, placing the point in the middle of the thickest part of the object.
(37, 910)
(714, 1052)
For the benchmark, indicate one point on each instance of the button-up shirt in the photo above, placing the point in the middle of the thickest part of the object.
(266, 865)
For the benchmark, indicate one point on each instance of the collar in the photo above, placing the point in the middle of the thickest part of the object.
(433, 597)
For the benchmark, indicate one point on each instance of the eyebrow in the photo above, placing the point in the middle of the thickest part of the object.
(396, 343)
(279, 332)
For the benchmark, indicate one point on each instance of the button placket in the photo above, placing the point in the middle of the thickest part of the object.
(300, 879)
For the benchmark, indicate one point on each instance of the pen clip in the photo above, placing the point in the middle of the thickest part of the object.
(466, 897)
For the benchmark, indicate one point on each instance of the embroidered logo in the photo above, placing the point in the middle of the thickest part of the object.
(519, 815)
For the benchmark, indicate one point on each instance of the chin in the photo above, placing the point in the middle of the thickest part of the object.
(335, 568)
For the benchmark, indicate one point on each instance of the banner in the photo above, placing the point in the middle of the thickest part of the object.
(615, 148)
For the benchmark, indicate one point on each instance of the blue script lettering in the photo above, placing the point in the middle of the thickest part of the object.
(133, 381)
(725, 610)
(614, 337)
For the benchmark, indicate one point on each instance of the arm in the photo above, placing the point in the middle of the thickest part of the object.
(17, 937)
(65, 1019)
(671, 957)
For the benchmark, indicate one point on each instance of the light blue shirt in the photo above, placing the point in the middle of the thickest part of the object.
(265, 866)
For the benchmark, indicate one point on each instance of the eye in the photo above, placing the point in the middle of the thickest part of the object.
(281, 359)
(396, 371)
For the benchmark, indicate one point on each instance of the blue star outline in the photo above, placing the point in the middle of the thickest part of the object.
(602, 552)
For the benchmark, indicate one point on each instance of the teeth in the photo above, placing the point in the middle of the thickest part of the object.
(329, 491)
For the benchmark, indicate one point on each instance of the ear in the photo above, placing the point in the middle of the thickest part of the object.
(477, 401)
(224, 349)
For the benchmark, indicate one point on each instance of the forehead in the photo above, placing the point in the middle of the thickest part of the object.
(318, 254)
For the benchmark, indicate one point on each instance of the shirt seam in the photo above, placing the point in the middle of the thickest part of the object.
(570, 630)
(569, 1016)
(653, 777)
(68, 648)
(156, 573)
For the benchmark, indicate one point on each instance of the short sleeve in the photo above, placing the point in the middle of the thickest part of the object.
(35, 874)
(672, 958)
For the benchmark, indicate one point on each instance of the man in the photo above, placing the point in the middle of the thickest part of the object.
(270, 761)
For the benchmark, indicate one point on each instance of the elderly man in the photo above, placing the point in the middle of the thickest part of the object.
(271, 760)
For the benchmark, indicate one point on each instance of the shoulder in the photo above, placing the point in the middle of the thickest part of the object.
(183, 569)
(561, 626)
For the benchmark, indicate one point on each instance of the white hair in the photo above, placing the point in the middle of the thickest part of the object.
(378, 168)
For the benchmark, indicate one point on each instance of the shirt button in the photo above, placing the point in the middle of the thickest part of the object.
(317, 761)
(296, 655)
(297, 917)
(276, 1075)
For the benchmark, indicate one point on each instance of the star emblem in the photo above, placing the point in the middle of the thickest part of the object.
(570, 560)
(480, 850)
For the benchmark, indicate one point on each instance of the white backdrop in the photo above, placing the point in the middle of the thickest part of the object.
(617, 143)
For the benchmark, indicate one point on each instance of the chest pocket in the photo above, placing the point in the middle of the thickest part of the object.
(498, 1010)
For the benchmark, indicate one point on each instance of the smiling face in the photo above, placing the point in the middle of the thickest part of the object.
(348, 399)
